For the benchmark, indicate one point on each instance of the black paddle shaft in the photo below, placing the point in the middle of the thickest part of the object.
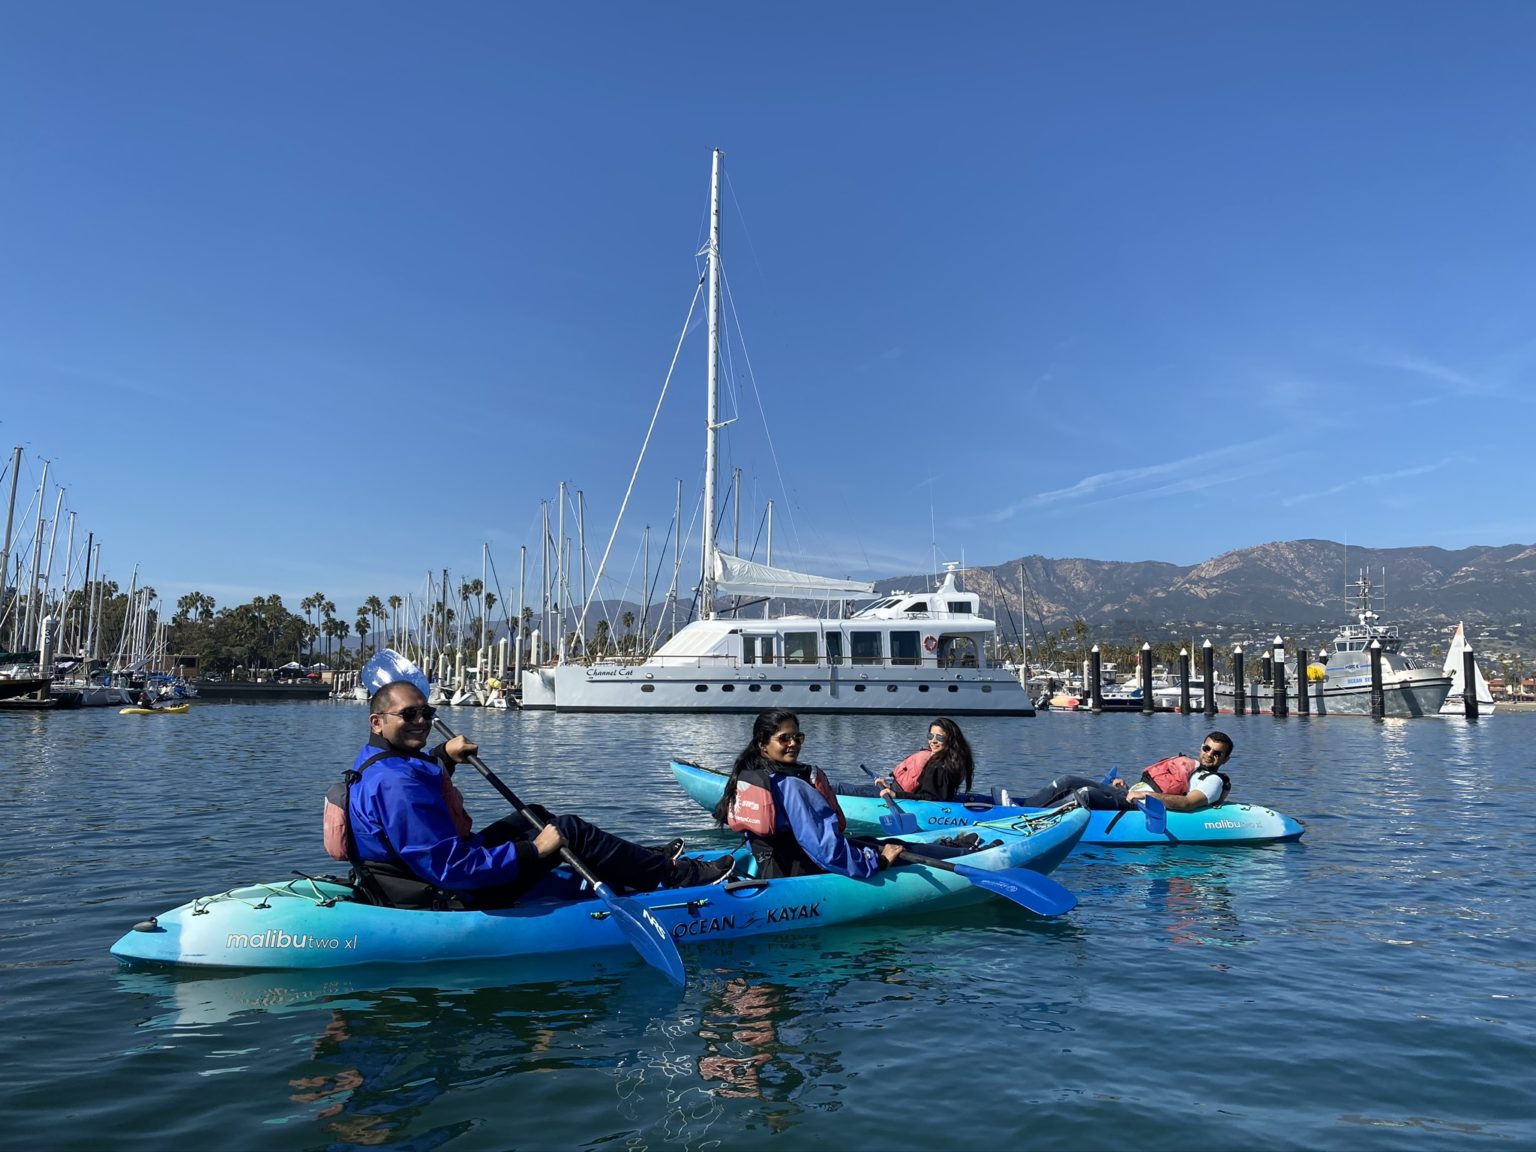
(522, 809)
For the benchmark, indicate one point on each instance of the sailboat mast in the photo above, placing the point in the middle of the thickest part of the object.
(5, 548)
(712, 426)
(37, 556)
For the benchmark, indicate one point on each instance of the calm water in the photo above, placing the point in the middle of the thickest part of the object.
(1371, 987)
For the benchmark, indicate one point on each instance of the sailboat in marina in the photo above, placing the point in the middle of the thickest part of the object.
(1455, 668)
(921, 651)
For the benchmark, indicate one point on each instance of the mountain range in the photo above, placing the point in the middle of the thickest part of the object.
(1296, 588)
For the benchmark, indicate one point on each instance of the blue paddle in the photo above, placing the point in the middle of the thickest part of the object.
(1154, 809)
(896, 822)
(1028, 889)
(1040, 894)
(639, 924)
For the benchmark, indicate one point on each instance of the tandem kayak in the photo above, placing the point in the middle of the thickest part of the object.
(313, 923)
(1228, 823)
(169, 709)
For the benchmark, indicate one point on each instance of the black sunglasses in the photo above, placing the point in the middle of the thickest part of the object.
(414, 715)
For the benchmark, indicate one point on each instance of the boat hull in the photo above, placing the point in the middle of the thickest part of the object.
(1224, 824)
(308, 924)
(168, 710)
(745, 688)
(1419, 696)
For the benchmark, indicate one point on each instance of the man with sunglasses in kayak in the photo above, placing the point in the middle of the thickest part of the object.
(1182, 783)
(411, 840)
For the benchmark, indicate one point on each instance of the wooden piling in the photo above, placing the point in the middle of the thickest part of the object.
(1146, 678)
(1278, 704)
(1303, 684)
(1208, 673)
(1469, 683)
(1378, 693)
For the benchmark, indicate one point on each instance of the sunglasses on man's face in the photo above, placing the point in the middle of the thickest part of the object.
(1214, 749)
(415, 715)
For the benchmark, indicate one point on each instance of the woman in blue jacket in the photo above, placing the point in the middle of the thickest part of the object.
(789, 811)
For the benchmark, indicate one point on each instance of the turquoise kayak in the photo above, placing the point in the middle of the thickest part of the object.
(310, 923)
(1223, 824)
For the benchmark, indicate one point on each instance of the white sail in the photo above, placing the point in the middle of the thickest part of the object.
(1455, 702)
(737, 577)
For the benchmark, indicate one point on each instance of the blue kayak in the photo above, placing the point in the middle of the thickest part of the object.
(311, 923)
(1227, 823)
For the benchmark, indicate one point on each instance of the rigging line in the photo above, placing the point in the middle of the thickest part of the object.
(635, 474)
(762, 413)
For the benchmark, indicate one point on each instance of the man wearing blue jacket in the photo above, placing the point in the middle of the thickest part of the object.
(412, 838)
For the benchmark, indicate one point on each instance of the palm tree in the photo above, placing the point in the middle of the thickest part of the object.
(395, 603)
(309, 604)
(362, 631)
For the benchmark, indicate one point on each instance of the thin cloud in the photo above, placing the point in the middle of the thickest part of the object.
(1375, 481)
(1186, 474)
(1461, 383)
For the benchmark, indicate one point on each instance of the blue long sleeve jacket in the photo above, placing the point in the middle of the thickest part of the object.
(803, 811)
(399, 815)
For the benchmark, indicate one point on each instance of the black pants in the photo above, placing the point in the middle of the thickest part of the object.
(1101, 797)
(618, 863)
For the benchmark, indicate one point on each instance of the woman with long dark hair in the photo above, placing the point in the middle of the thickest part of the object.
(789, 811)
(939, 771)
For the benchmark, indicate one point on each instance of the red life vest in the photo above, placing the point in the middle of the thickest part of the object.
(752, 807)
(1173, 775)
(337, 823)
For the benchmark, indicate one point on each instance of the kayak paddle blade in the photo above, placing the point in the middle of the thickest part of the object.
(1040, 894)
(898, 823)
(646, 934)
(1157, 815)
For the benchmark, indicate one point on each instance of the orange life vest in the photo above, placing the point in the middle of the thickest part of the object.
(1172, 775)
(337, 822)
(752, 807)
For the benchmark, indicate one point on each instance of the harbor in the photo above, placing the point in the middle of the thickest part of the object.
(1406, 900)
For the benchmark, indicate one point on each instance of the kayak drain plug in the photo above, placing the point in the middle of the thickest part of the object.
(150, 925)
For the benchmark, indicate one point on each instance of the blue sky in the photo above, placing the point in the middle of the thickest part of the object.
(325, 297)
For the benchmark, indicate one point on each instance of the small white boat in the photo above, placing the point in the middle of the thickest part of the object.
(1455, 668)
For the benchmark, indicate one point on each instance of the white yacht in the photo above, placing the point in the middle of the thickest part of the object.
(920, 652)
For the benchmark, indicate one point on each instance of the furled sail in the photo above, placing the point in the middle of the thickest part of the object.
(737, 577)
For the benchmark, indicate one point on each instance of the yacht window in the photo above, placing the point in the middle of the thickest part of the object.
(957, 652)
(748, 650)
(906, 648)
(960, 607)
(918, 606)
(834, 647)
(767, 649)
(799, 647)
(865, 647)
